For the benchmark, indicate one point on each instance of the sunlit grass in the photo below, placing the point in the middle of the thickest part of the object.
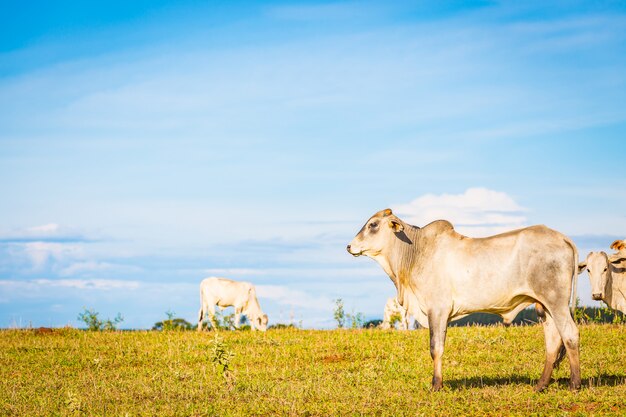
(487, 371)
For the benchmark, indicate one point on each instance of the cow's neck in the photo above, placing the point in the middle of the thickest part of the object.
(402, 255)
(253, 310)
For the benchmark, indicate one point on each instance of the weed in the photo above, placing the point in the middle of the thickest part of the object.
(339, 314)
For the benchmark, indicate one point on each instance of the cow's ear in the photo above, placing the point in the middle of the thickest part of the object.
(582, 266)
(617, 259)
(396, 226)
(618, 245)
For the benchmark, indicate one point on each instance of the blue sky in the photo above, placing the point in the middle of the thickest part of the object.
(147, 145)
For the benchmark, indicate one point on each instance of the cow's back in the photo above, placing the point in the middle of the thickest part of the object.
(478, 272)
(224, 292)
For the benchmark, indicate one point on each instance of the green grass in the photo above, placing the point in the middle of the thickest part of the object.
(487, 371)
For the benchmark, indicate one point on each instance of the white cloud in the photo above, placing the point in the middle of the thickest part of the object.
(88, 284)
(476, 212)
(39, 253)
(291, 297)
(46, 228)
(81, 284)
(232, 272)
(88, 267)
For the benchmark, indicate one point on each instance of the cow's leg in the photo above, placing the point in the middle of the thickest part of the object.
(200, 317)
(569, 333)
(237, 317)
(211, 313)
(554, 344)
(438, 324)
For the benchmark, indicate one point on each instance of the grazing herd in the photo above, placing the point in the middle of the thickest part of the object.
(442, 276)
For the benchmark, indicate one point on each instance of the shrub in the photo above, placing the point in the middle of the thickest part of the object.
(339, 314)
(90, 318)
(279, 326)
(177, 324)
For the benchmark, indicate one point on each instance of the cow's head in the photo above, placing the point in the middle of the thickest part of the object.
(376, 234)
(260, 323)
(599, 266)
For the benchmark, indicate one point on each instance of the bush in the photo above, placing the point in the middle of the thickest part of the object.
(177, 324)
(90, 318)
(371, 324)
(279, 326)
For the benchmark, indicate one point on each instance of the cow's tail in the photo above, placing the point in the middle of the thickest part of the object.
(574, 295)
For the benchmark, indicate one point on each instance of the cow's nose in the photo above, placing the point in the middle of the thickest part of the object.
(597, 296)
(348, 248)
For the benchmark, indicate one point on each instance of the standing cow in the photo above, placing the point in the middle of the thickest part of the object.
(441, 276)
(608, 278)
(394, 309)
(225, 292)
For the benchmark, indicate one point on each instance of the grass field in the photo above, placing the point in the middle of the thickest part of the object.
(487, 371)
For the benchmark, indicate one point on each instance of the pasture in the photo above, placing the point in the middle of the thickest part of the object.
(487, 371)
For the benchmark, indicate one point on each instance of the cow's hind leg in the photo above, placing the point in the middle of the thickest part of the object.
(554, 345)
(437, 324)
(211, 314)
(571, 338)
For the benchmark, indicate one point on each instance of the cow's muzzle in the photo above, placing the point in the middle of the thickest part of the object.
(597, 296)
(355, 254)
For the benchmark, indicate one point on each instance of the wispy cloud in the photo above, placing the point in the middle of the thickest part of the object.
(287, 296)
(477, 211)
(51, 232)
(314, 12)
(81, 284)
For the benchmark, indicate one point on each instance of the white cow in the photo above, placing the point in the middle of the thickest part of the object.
(394, 309)
(442, 275)
(608, 278)
(225, 292)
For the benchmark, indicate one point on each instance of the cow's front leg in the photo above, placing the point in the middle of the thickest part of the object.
(237, 317)
(438, 324)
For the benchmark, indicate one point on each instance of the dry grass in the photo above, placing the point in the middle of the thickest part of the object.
(487, 371)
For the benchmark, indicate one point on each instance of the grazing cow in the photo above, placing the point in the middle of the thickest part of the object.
(394, 309)
(608, 278)
(225, 292)
(441, 276)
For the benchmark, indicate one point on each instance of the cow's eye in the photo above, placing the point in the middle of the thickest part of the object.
(373, 225)
(588, 271)
(605, 269)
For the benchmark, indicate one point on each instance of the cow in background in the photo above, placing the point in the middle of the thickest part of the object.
(394, 309)
(225, 292)
(608, 278)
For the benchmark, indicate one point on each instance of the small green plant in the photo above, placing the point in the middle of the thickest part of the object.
(221, 357)
(356, 320)
(339, 314)
(579, 313)
(90, 318)
(395, 318)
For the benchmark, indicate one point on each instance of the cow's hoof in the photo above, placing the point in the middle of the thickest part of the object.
(437, 384)
(574, 386)
(541, 386)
